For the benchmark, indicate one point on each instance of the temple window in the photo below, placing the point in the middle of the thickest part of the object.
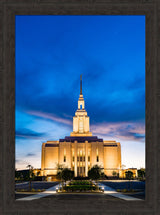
(97, 158)
(64, 159)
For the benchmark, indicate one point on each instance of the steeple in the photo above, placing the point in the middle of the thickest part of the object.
(81, 100)
(81, 120)
(80, 84)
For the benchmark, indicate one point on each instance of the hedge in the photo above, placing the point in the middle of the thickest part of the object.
(79, 187)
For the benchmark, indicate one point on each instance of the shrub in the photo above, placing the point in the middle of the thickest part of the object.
(79, 187)
(80, 183)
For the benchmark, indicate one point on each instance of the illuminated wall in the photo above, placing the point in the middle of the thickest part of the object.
(50, 155)
(112, 157)
(65, 154)
(82, 156)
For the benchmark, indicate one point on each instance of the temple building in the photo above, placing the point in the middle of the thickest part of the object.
(81, 150)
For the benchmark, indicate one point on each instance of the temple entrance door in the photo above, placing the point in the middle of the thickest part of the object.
(81, 162)
(81, 171)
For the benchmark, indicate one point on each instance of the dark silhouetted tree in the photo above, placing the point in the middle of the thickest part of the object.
(114, 173)
(95, 173)
(67, 174)
(141, 174)
(129, 175)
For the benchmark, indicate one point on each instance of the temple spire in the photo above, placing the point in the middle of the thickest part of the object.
(81, 120)
(80, 84)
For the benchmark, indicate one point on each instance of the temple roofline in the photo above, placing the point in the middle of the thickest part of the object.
(81, 139)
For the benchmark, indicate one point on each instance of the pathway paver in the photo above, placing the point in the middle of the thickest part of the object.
(48, 192)
(112, 192)
(21, 183)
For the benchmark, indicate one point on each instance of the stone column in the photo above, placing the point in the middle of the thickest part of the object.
(86, 158)
(75, 158)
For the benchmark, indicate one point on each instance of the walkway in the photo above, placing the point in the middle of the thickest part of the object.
(48, 192)
(21, 183)
(110, 191)
(107, 190)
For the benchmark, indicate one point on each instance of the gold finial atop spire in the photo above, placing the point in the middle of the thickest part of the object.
(80, 84)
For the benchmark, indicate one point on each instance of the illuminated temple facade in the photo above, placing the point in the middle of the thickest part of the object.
(81, 150)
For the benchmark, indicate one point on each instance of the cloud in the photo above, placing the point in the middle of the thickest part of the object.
(27, 133)
(50, 117)
(124, 130)
(113, 88)
(18, 161)
(30, 154)
(21, 162)
(58, 97)
(67, 116)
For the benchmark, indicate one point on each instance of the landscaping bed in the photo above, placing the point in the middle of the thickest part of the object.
(32, 190)
(73, 188)
(129, 190)
(80, 186)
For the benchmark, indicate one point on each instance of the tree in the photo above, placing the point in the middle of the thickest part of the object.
(67, 174)
(114, 173)
(103, 176)
(129, 175)
(17, 175)
(38, 172)
(141, 174)
(60, 168)
(31, 174)
(64, 173)
(95, 173)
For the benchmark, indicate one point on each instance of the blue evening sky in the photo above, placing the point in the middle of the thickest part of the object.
(51, 53)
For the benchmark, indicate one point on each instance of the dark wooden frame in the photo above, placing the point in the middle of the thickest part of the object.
(8, 10)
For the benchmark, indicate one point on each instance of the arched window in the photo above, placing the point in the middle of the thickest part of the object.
(81, 106)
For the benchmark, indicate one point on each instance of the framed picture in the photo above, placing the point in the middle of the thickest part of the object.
(77, 100)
